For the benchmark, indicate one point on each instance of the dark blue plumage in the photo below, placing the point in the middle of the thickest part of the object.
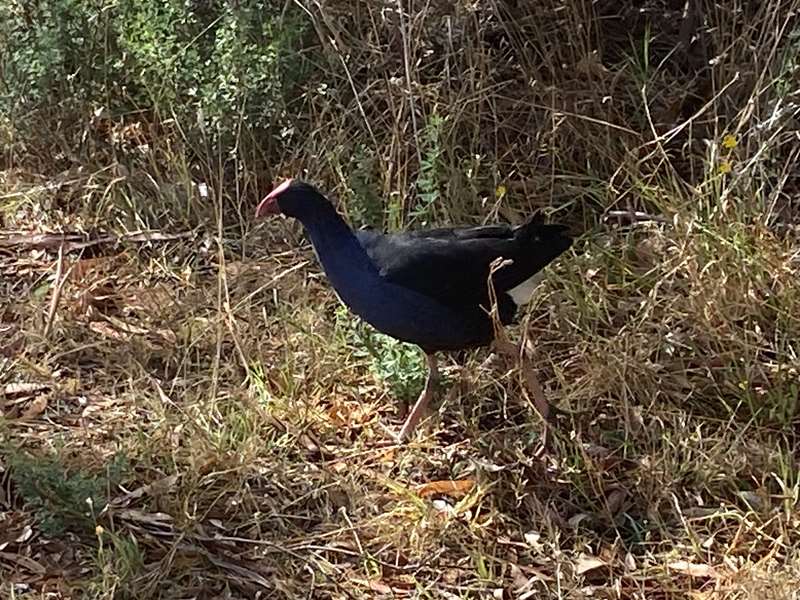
(427, 287)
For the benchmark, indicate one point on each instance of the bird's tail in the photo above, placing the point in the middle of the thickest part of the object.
(537, 245)
(535, 231)
(542, 243)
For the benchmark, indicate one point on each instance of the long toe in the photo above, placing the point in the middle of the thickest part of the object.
(421, 406)
(415, 416)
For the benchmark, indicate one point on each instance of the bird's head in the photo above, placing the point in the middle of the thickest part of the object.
(293, 198)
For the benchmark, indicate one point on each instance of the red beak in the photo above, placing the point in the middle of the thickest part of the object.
(269, 205)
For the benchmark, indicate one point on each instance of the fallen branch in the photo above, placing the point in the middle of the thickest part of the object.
(70, 242)
(634, 217)
(58, 285)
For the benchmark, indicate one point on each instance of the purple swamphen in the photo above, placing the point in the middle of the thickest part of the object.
(428, 287)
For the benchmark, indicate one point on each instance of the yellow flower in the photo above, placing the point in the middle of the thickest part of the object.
(500, 191)
(99, 530)
(730, 142)
(725, 167)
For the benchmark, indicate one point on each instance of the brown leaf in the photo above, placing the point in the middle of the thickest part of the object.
(24, 389)
(452, 487)
(154, 519)
(519, 582)
(126, 327)
(70, 386)
(692, 569)
(97, 265)
(107, 330)
(576, 519)
(379, 587)
(536, 573)
(100, 297)
(24, 562)
(152, 490)
(35, 408)
(587, 563)
(12, 343)
(242, 570)
(26, 534)
(350, 413)
(167, 335)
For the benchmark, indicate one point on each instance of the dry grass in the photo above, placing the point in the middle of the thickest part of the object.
(209, 396)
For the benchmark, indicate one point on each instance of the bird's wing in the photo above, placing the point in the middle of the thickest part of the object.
(497, 232)
(452, 265)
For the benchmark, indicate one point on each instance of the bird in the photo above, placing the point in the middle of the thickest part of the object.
(434, 287)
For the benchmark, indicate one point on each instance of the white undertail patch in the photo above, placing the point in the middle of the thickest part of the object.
(523, 293)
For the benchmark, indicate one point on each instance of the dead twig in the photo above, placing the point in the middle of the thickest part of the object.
(70, 242)
(634, 217)
(58, 285)
(503, 345)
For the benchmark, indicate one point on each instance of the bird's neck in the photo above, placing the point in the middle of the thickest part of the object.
(335, 244)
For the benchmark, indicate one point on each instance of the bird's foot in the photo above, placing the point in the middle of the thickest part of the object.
(534, 388)
(395, 436)
(392, 436)
(421, 405)
(412, 420)
(492, 361)
(402, 409)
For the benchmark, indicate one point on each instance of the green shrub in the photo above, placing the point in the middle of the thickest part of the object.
(212, 65)
(401, 367)
(54, 52)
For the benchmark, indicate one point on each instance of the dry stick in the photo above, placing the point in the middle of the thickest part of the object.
(218, 213)
(226, 296)
(531, 381)
(12, 239)
(506, 347)
(70, 242)
(338, 46)
(407, 65)
(270, 284)
(59, 285)
(672, 133)
(635, 217)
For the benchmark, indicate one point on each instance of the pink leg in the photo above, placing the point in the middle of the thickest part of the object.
(424, 399)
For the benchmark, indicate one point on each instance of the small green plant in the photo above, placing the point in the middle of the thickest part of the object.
(118, 562)
(399, 366)
(786, 81)
(153, 37)
(429, 177)
(366, 207)
(62, 500)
